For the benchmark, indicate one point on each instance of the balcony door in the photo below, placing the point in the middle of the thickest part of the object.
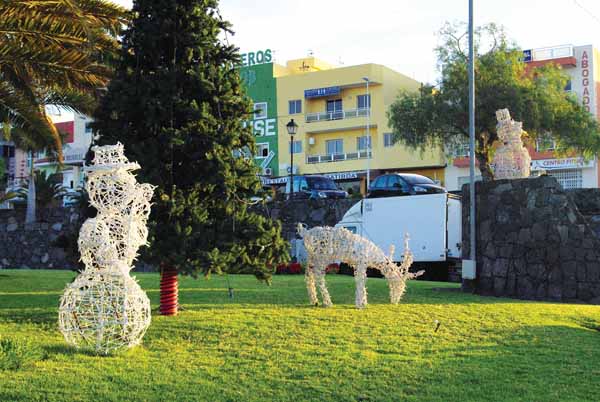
(334, 147)
(334, 109)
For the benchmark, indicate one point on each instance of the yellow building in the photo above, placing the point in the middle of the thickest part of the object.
(331, 107)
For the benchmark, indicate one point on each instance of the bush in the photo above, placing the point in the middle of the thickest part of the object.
(333, 268)
(17, 353)
(295, 268)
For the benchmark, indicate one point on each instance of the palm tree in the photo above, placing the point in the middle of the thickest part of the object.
(54, 52)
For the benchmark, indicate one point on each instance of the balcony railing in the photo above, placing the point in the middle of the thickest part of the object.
(338, 157)
(337, 115)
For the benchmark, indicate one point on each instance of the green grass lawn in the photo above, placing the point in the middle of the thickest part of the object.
(268, 344)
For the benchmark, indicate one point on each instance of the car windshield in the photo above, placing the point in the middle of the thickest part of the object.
(417, 179)
(320, 183)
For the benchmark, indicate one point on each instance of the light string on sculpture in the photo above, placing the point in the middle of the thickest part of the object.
(104, 308)
(512, 159)
(326, 245)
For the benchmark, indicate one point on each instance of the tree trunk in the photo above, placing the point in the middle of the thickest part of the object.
(169, 293)
(487, 173)
(30, 215)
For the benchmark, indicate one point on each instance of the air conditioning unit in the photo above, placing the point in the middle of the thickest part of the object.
(267, 172)
(311, 140)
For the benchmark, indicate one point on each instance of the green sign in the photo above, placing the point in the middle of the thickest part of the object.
(261, 88)
(259, 57)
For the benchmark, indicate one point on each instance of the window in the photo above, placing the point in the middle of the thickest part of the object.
(567, 178)
(545, 143)
(460, 149)
(568, 86)
(334, 109)
(88, 127)
(388, 140)
(351, 229)
(395, 181)
(362, 143)
(363, 101)
(295, 106)
(379, 182)
(334, 146)
(320, 183)
(8, 151)
(262, 150)
(296, 147)
(260, 110)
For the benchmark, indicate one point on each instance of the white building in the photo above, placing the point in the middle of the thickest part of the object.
(75, 145)
(583, 65)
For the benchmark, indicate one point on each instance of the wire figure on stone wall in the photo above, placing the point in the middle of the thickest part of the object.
(511, 160)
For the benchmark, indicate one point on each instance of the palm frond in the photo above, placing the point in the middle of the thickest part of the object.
(51, 52)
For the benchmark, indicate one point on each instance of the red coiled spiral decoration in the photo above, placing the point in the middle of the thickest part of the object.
(169, 292)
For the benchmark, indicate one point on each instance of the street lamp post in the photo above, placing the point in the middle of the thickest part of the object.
(470, 267)
(292, 127)
(368, 100)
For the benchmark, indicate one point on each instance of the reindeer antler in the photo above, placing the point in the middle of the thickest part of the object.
(392, 249)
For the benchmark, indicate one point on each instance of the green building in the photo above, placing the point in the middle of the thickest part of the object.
(257, 73)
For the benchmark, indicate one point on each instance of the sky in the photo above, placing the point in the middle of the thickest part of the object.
(399, 34)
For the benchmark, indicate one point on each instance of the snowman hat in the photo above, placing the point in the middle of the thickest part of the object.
(110, 157)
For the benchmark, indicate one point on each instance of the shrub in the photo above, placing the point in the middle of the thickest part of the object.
(333, 268)
(17, 353)
(293, 268)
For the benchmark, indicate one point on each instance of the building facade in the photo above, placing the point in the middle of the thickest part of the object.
(15, 166)
(258, 77)
(336, 114)
(582, 64)
(77, 139)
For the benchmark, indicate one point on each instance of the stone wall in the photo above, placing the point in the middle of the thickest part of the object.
(533, 242)
(326, 212)
(310, 212)
(588, 203)
(36, 246)
(33, 245)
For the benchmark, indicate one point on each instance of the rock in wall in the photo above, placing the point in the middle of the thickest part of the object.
(532, 241)
(35, 245)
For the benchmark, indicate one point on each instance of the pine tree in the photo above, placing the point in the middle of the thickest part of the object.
(177, 105)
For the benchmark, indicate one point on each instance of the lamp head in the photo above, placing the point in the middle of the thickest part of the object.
(292, 127)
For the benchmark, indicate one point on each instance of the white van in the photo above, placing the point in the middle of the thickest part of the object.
(432, 221)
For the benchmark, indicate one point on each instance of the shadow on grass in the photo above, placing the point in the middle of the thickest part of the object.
(27, 316)
(68, 350)
(341, 294)
(552, 362)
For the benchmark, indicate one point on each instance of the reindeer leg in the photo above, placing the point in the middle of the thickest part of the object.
(360, 277)
(309, 277)
(320, 273)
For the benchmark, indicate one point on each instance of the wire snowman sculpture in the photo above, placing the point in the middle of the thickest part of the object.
(104, 308)
(325, 245)
(511, 160)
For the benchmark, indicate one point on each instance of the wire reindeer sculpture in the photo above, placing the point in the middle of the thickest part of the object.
(325, 245)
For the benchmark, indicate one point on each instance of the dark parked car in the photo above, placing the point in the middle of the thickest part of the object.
(315, 187)
(397, 184)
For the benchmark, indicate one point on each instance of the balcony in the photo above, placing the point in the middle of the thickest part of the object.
(337, 157)
(71, 156)
(337, 115)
